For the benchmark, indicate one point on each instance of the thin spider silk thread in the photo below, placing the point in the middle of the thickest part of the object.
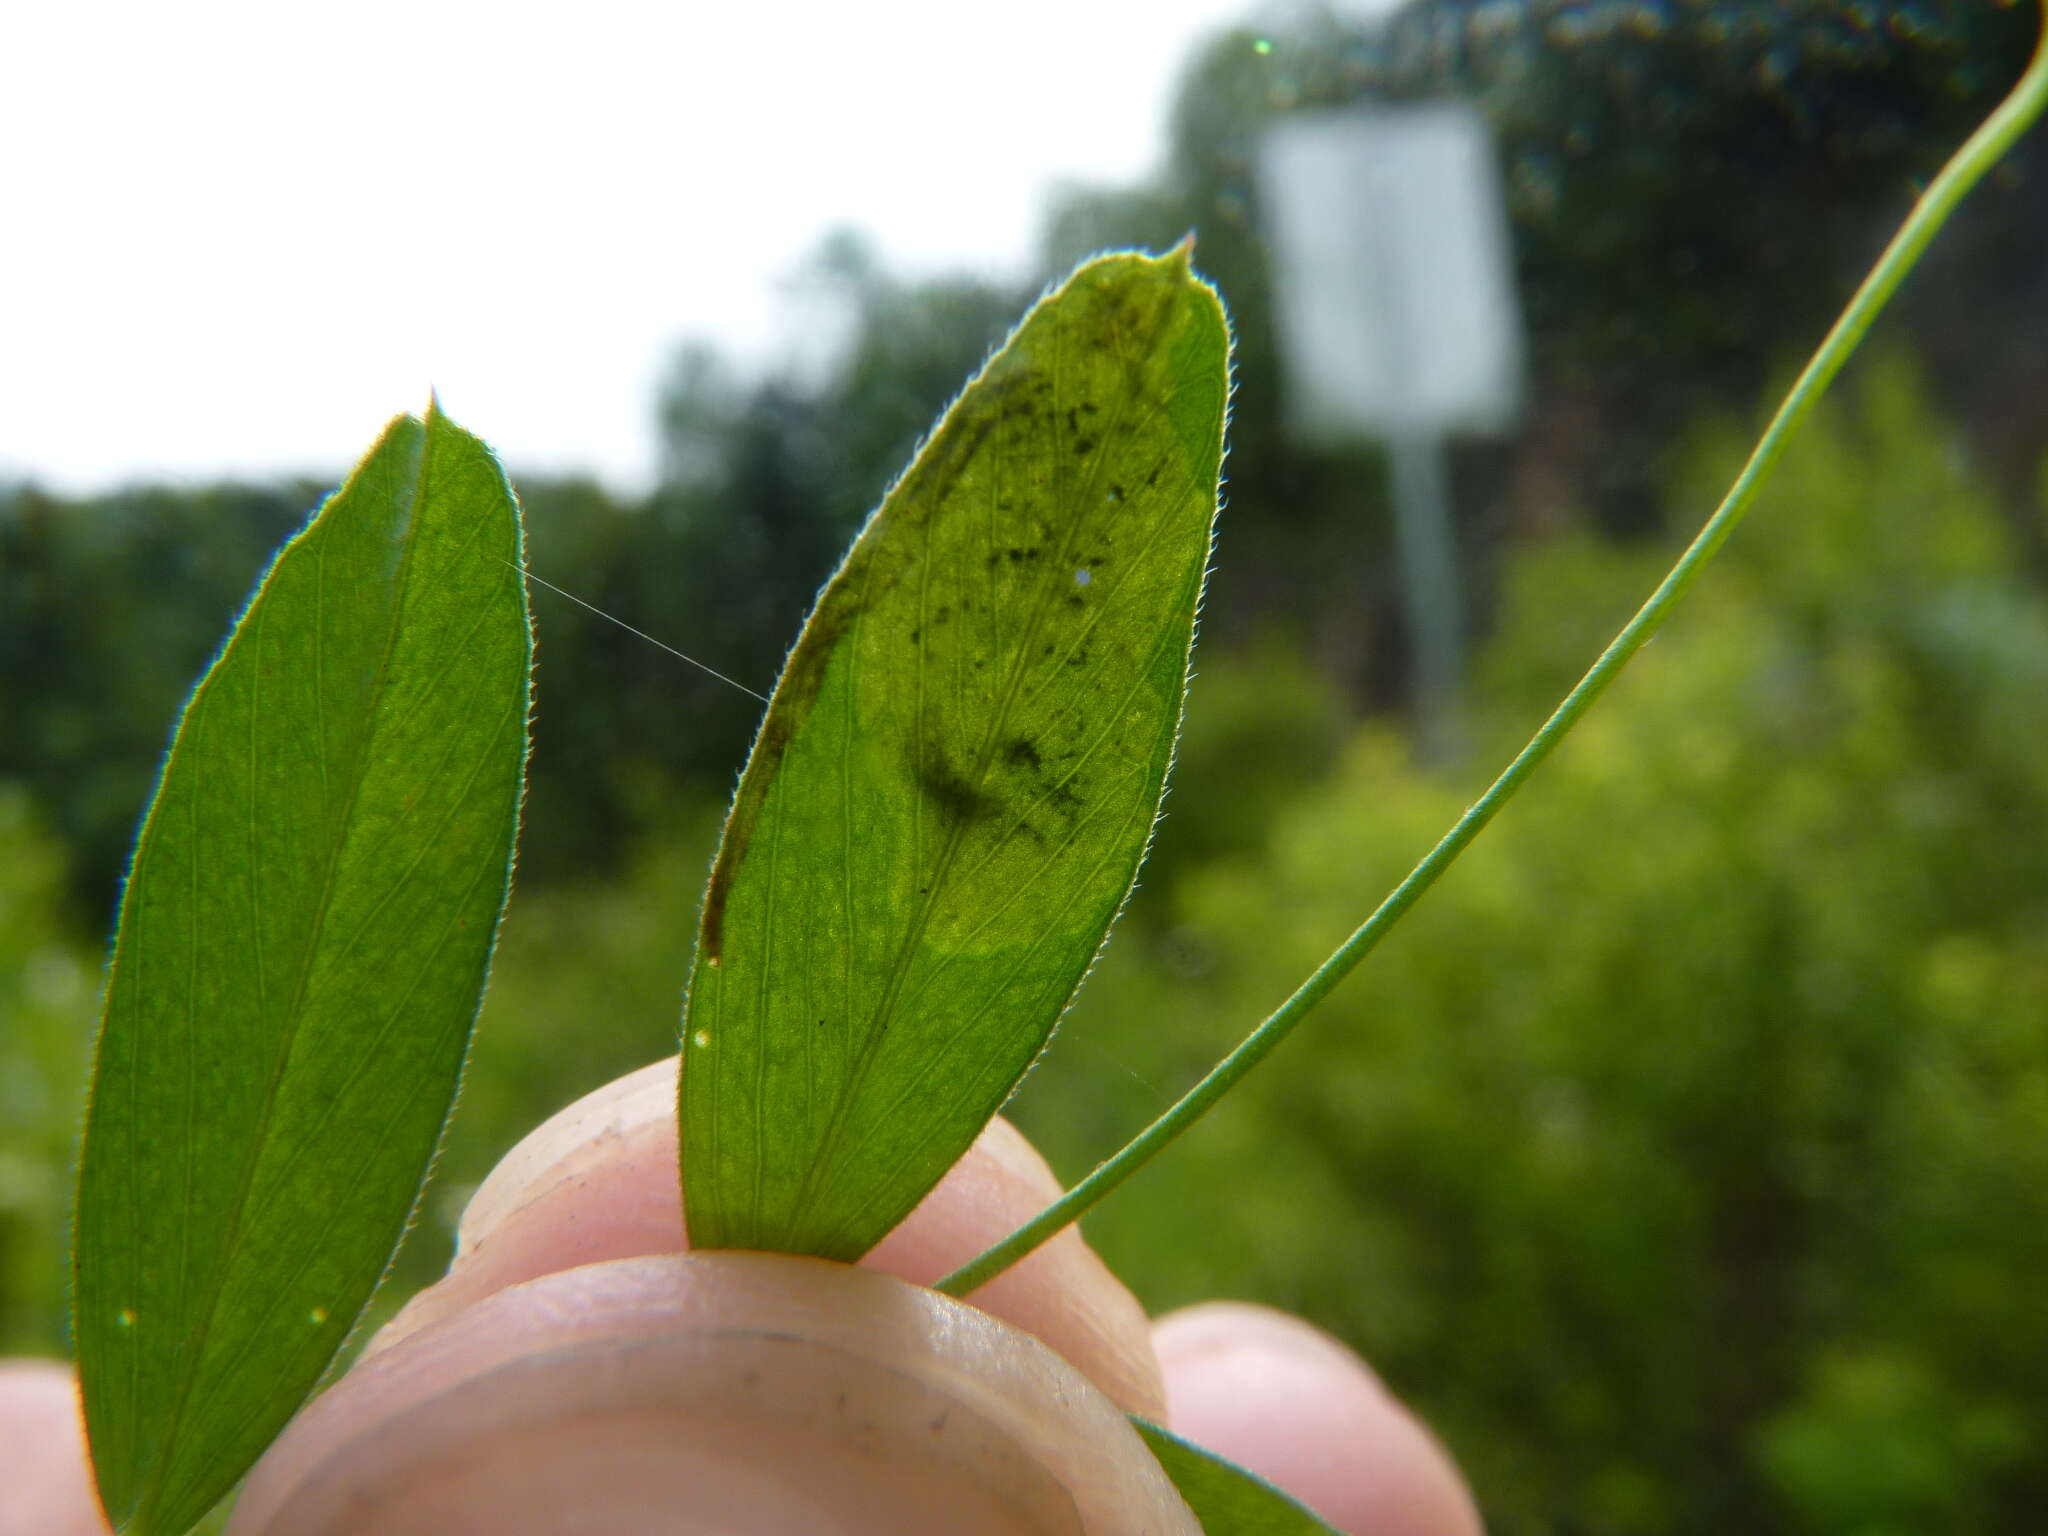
(642, 634)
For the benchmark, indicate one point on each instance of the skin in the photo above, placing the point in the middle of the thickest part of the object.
(578, 1368)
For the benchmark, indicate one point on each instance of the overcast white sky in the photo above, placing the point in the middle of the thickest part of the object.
(237, 235)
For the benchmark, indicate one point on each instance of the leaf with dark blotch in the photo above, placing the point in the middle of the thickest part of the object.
(302, 947)
(958, 773)
(1228, 1500)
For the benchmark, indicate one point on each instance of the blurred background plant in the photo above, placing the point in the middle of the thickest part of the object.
(1685, 1157)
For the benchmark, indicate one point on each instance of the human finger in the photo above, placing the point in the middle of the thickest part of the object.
(735, 1392)
(45, 1480)
(599, 1181)
(1287, 1401)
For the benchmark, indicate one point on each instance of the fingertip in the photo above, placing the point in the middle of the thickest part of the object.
(1292, 1404)
(1063, 1293)
(735, 1392)
(598, 1182)
(46, 1486)
(566, 1147)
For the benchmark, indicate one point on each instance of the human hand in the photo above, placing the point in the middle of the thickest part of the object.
(576, 1370)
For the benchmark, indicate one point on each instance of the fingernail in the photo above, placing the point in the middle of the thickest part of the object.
(695, 1392)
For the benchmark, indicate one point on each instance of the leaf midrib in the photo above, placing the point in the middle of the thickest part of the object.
(193, 1357)
(910, 1087)
(871, 1038)
(392, 1016)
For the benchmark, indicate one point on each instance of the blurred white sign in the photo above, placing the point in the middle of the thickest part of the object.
(1392, 275)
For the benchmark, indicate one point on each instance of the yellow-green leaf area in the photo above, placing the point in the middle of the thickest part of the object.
(958, 773)
(302, 948)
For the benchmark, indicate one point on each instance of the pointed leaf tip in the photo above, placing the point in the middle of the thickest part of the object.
(301, 950)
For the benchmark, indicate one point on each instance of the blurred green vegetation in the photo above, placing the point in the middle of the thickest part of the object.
(1684, 1158)
(1685, 1155)
(1692, 188)
(49, 1005)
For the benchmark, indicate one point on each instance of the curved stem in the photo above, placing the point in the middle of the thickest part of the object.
(1965, 168)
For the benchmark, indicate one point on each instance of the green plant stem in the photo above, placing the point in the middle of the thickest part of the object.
(1983, 150)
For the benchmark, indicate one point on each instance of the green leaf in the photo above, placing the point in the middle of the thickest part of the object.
(1228, 1500)
(302, 948)
(958, 773)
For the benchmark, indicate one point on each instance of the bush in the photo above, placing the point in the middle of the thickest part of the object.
(48, 992)
(1684, 1157)
(1692, 1139)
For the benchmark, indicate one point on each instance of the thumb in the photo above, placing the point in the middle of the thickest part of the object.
(730, 1392)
